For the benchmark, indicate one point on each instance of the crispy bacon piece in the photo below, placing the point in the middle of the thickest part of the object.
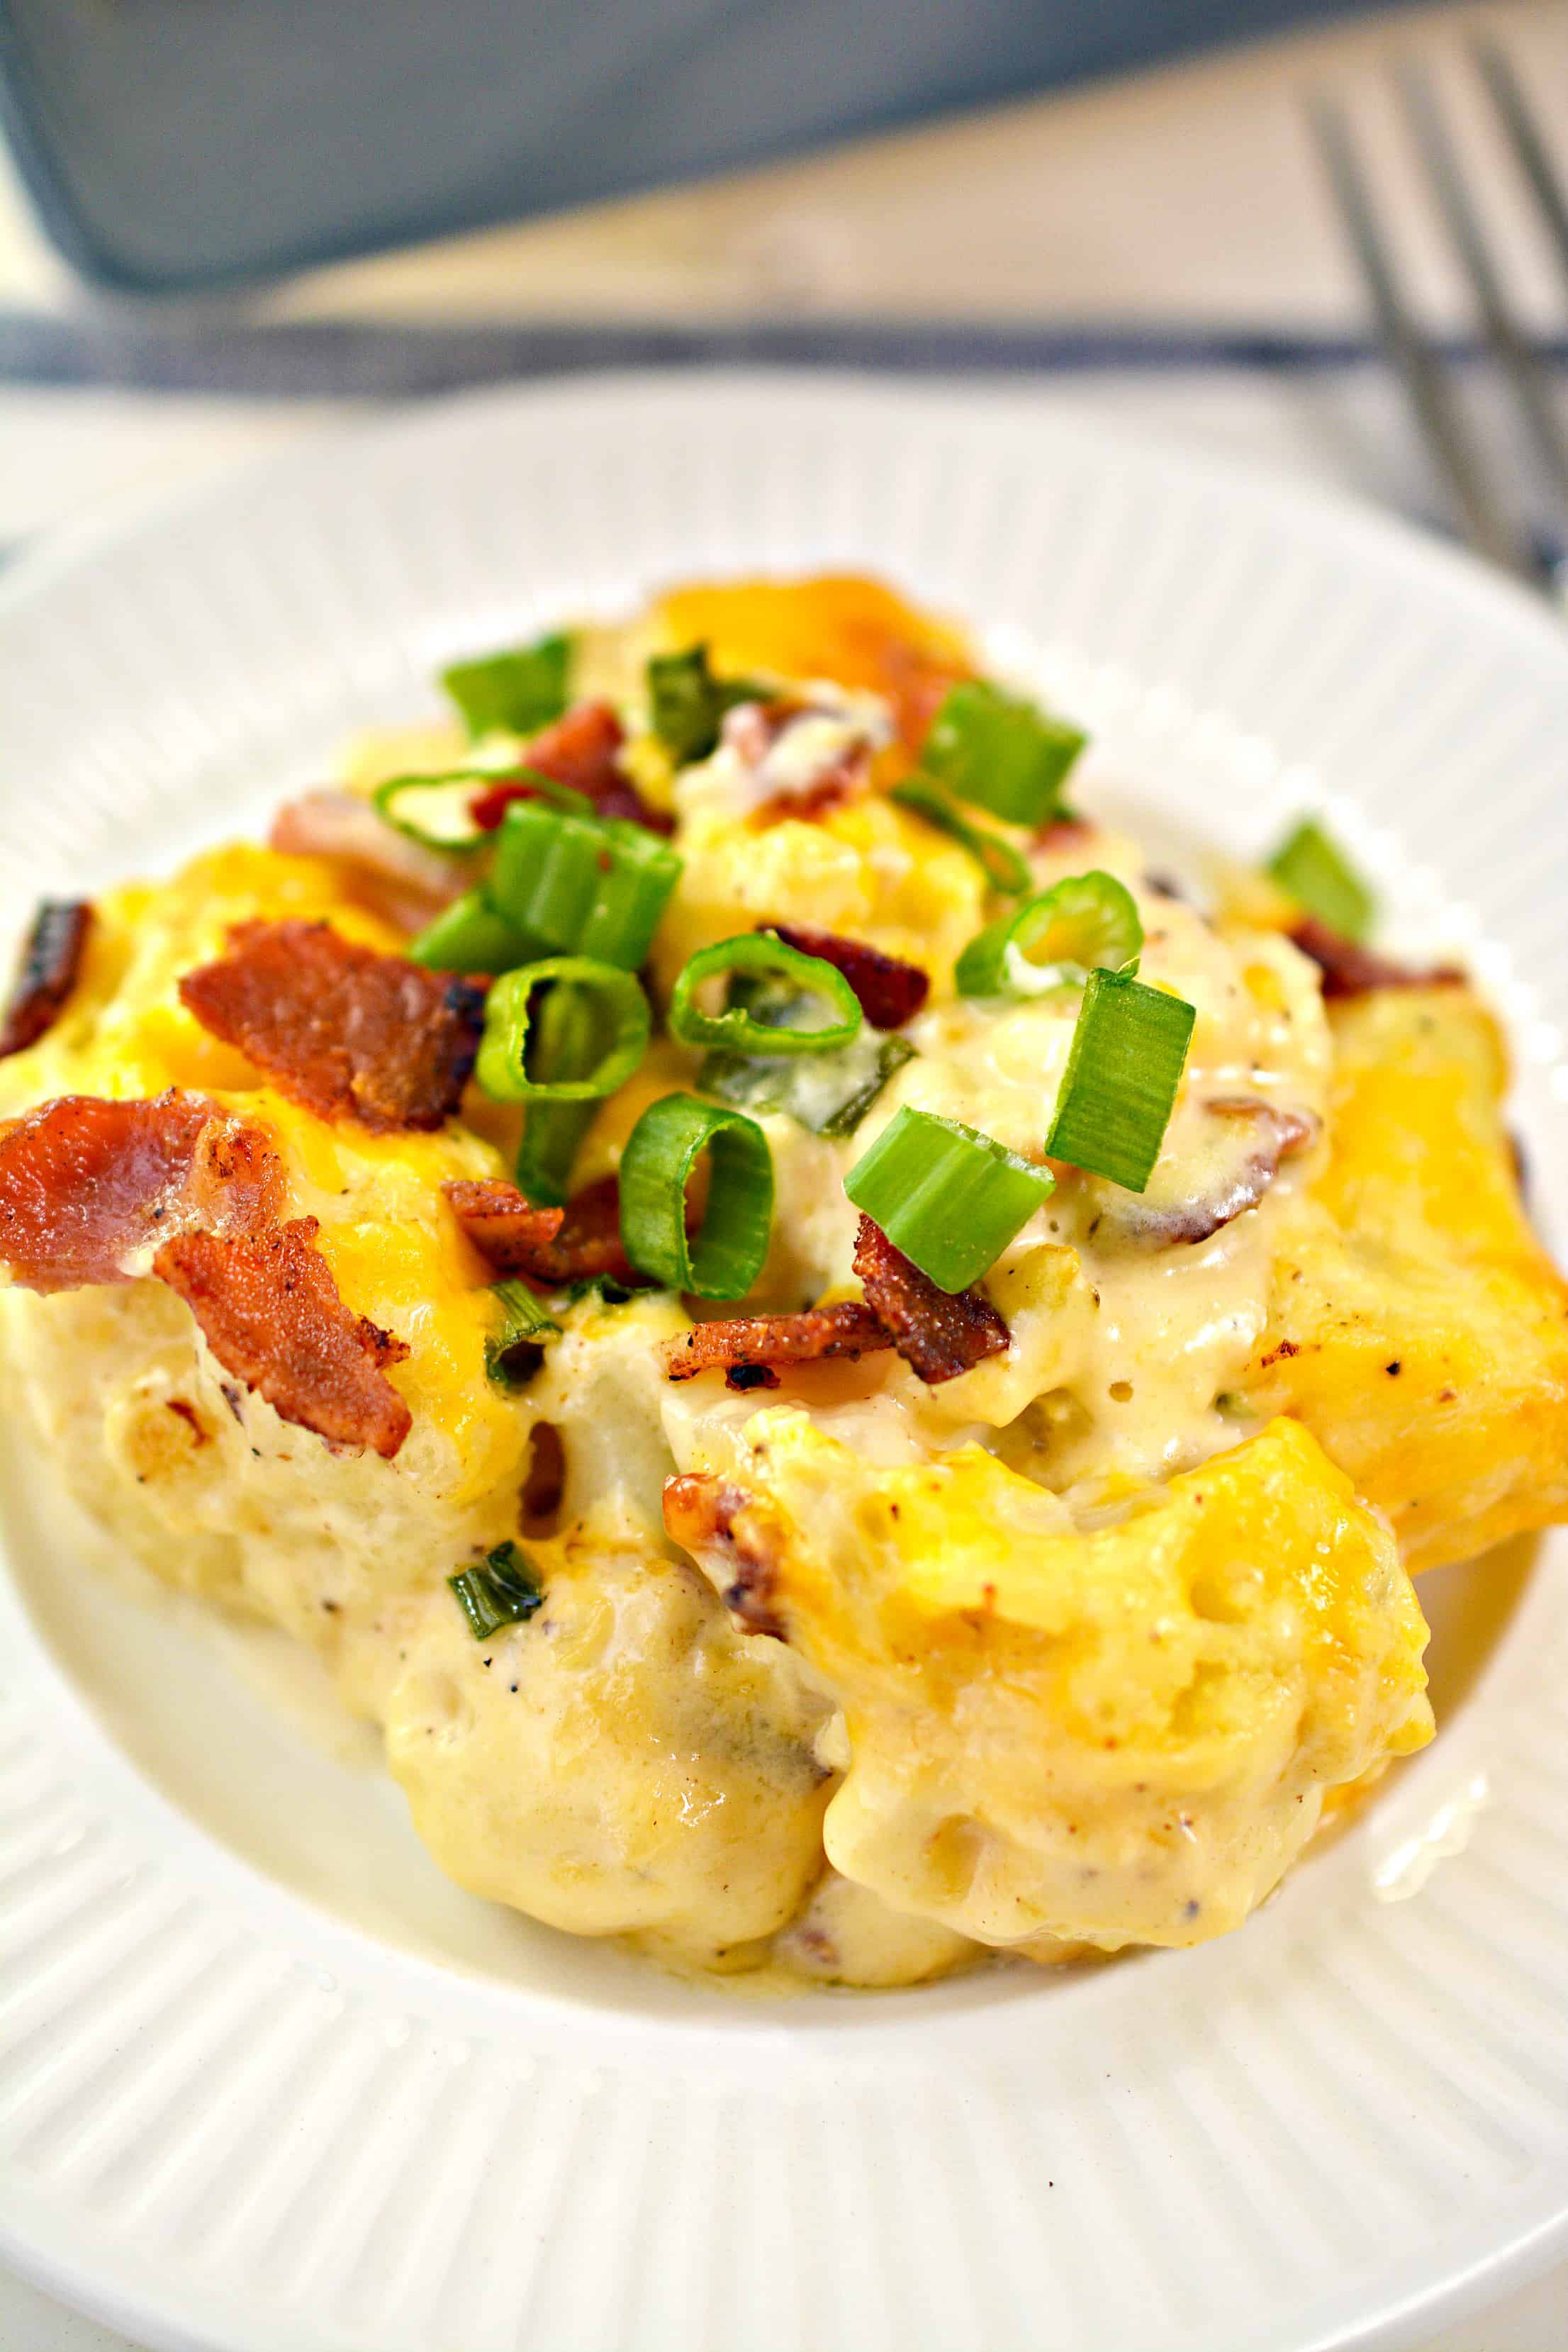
(45, 971)
(1351, 970)
(84, 1184)
(382, 869)
(888, 991)
(87, 1186)
(1243, 1167)
(580, 750)
(546, 1246)
(1062, 834)
(939, 1333)
(736, 1540)
(346, 1032)
(272, 1314)
(751, 1343)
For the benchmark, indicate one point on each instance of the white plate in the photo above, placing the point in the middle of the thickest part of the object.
(265, 2079)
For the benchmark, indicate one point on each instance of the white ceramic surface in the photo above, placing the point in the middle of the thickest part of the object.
(264, 2078)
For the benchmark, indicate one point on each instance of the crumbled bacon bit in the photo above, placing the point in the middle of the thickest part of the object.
(47, 972)
(85, 1184)
(1276, 1135)
(271, 1313)
(546, 1246)
(348, 1033)
(1059, 835)
(887, 990)
(751, 729)
(1351, 970)
(739, 1537)
(580, 749)
(750, 1343)
(939, 1333)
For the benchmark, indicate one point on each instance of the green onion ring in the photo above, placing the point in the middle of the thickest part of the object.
(615, 1010)
(726, 1256)
(739, 1030)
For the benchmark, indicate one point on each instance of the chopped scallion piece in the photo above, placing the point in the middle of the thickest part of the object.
(1120, 1086)
(614, 1019)
(1000, 752)
(726, 1256)
(1003, 866)
(686, 702)
(520, 690)
(503, 1588)
(566, 1044)
(1083, 923)
(438, 812)
(737, 1026)
(1320, 877)
(469, 936)
(552, 1134)
(828, 1093)
(582, 888)
(949, 1197)
(514, 1354)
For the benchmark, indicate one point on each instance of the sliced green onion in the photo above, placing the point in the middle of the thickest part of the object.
(541, 787)
(1000, 752)
(614, 1020)
(1320, 877)
(522, 689)
(436, 810)
(469, 936)
(686, 702)
(661, 1151)
(1004, 867)
(552, 1134)
(566, 1043)
(582, 888)
(514, 1355)
(1084, 922)
(737, 1026)
(827, 1093)
(949, 1197)
(1120, 1086)
(504, 1589)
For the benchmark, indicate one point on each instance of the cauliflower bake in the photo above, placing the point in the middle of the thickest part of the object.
(853, 1380)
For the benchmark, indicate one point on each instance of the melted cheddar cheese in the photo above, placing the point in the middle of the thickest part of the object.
(1069, 1651)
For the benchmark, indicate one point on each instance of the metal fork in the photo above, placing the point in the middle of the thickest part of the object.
(1483, 517)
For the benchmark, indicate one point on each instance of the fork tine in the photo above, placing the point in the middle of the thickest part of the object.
(1510, 346)
(1448, 442)
(1523, 135)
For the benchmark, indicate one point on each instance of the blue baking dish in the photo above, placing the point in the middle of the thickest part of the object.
(177, 144)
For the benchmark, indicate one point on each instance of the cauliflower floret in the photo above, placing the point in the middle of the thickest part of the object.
(1117, 1737)
(626, 1762)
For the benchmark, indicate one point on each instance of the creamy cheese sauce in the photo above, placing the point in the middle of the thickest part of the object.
(634, 1760)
